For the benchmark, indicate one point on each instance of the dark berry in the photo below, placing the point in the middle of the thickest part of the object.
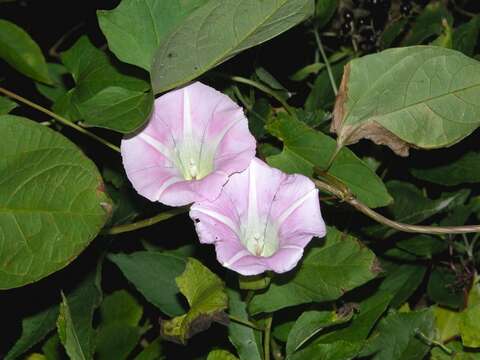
(405, 8)
(365, 20)
(348, 15)
(367, 46)
(346, 28)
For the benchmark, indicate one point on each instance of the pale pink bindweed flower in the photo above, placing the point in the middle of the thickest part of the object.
(195, 139)
(261, 221)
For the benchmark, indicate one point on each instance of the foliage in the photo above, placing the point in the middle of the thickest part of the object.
(89, 269)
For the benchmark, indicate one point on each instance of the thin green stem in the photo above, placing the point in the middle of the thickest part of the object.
(325, 60)
(245, 322)
(146, 222)
(266, 337)
(431, 342)
(59, 118)
(260, 87)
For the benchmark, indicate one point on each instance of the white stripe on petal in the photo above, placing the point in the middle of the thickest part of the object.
(252, 217)
(166, 185)
(220, 218)
(299, 202)
(236, 257)
(157, 145)
(294, 247)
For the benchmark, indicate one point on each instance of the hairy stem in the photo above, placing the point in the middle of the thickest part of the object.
(146, 222)
(350, 199)
(325, 60)
(59, 118)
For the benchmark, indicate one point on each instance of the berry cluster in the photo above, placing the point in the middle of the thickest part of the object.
(362, 21)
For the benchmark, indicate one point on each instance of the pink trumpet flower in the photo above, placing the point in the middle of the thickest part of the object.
(195, 139)
(261, 221)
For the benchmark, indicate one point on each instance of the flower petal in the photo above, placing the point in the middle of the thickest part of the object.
(195, 139)
(261, 221)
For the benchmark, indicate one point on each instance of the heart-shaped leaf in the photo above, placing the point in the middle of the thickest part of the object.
(52, 202)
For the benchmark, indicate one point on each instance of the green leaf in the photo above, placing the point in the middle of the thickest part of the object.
(135, 29)
(441, 288)
(401, 282)
(52, 202)
(464, 170)
(218, 31)
(153, 351)
(304, 72)
(67, 333)
(447, 323)
(117, 340)
(34, 329)
(53, 349)
(121, 306)
(117, 108)
(118, 333)
(19, 50)
(324, 11)
(392, 32)
(206, 295)
(309, 324)
(342, 263)
(221, 355)
(428, 23)
(241, 336)
(58, 87)
(74, 323)
(423, 245)
(376, 102)
(460, 353)
(470, 327)
(322, 96)
(339, 350)
(153, 274)
(6, 105)
(305, 148)
(396, 335)
(106, 94)
(466, 35)
(411, 206)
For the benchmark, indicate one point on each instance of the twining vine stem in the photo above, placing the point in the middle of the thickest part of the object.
(59, 118)
(350, 199)
(266, 336)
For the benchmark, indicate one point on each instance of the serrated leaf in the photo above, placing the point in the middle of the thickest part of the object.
(34, 329)
(153, 274)
(428, 23)
(221, 29)
(136, 28)
(106, 94)
(206, 295)
(241, 336)
(328, 271)
(466, 35)
(464, 170)
(405, 96)
(6, 105)
(19, 50)
(52, 202)
(305, 148)
(396, 335)
(309, 324)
